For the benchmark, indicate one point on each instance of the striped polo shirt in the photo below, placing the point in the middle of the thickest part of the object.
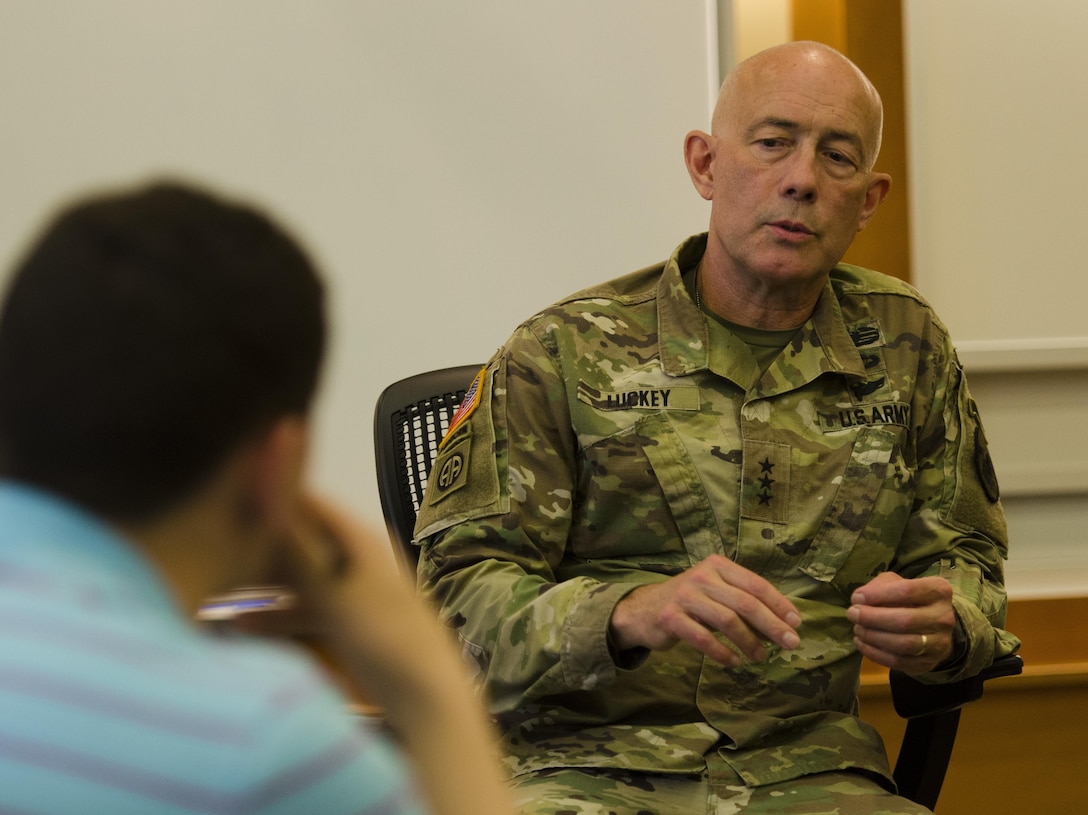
(112, 701)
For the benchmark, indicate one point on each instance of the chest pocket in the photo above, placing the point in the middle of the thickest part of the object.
(644, 501)
(869, 504)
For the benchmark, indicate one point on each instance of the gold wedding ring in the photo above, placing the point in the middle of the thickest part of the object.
(922, 648)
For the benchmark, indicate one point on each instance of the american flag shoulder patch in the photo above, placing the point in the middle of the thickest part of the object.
(467, 406)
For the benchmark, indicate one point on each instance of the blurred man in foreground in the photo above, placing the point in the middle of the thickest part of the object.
(159, 353)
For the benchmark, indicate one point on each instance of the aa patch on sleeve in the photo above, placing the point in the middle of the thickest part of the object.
(464, 481)
(450, 470)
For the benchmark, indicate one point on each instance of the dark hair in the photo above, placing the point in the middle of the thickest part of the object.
(145, 336)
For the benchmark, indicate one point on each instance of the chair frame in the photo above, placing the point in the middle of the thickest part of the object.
(933, 717)
(428, 397)
(932, 711)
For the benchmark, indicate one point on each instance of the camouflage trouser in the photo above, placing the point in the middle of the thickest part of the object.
(619, 792)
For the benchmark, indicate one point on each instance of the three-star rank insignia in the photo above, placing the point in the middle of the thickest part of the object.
(765, 492)
(766, 482)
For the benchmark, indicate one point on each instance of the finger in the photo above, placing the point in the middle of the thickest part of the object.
(325, 536)
(914, 663)
(762, 608)
(759, 587)
(751, 622)
(690, 609)
(889, 589)
(930, 619)
(698, 607)
(690, 630)
(903, 644)
(728, 611)
(711, 616)
(881, 656)
(875, 591)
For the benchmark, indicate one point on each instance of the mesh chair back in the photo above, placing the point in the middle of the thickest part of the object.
(410, 419)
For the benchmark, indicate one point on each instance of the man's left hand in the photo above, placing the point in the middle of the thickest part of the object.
(902, 623)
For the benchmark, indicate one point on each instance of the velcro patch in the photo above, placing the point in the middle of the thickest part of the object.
(866, 334)
(467, 406)
(765, 491)
(684, 397)
(885, 413)
(984, 465)
(450, 470)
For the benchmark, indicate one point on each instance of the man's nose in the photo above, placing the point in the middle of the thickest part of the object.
(799, 178)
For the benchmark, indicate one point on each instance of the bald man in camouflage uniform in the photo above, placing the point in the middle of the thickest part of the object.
(677, 509)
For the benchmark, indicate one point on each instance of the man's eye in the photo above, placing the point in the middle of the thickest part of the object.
(839, 158)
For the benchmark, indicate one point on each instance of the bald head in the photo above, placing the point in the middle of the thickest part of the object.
(788, 170)
(797, 67)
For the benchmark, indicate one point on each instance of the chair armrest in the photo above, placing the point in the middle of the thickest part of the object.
(933, 716)
(913, 699)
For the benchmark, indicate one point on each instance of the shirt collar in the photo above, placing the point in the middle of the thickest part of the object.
(75, 556)
(689, 341)
(683, 333)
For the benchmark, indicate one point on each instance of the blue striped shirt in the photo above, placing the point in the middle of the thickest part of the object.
(112, 701)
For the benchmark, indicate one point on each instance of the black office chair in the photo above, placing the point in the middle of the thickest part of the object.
(412, 416)
(410, 419)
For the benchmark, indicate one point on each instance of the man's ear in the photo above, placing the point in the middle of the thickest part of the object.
(698, 157)
(879, 185)
(274, 472)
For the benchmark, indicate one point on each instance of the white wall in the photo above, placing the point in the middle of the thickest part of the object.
(996, 119)
(998, 167)
(453, 166)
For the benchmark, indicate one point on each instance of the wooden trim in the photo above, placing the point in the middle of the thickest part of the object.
(1054, 631)
(821, 20)
(1020, 748)
(870, 32)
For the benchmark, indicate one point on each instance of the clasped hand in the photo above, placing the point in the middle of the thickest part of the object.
(715, 595)
(898, 622)
(902, 623)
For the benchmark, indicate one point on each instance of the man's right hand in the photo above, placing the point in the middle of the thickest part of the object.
(716, 595)
(383, 635)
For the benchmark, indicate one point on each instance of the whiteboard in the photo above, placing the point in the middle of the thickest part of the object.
(453, 167)
(998, 172)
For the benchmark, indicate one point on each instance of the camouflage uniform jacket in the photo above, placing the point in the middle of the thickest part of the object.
(620, 436)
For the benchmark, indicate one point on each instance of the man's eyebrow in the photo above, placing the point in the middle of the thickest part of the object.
(770, 121)
(851, 138)
(846, 136)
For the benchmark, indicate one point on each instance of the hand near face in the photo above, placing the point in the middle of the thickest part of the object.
(382, 635)
(715, 595)
(902, 623)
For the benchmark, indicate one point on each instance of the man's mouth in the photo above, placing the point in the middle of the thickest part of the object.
(793, 226)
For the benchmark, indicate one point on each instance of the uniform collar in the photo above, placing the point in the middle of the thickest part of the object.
(689, 341)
